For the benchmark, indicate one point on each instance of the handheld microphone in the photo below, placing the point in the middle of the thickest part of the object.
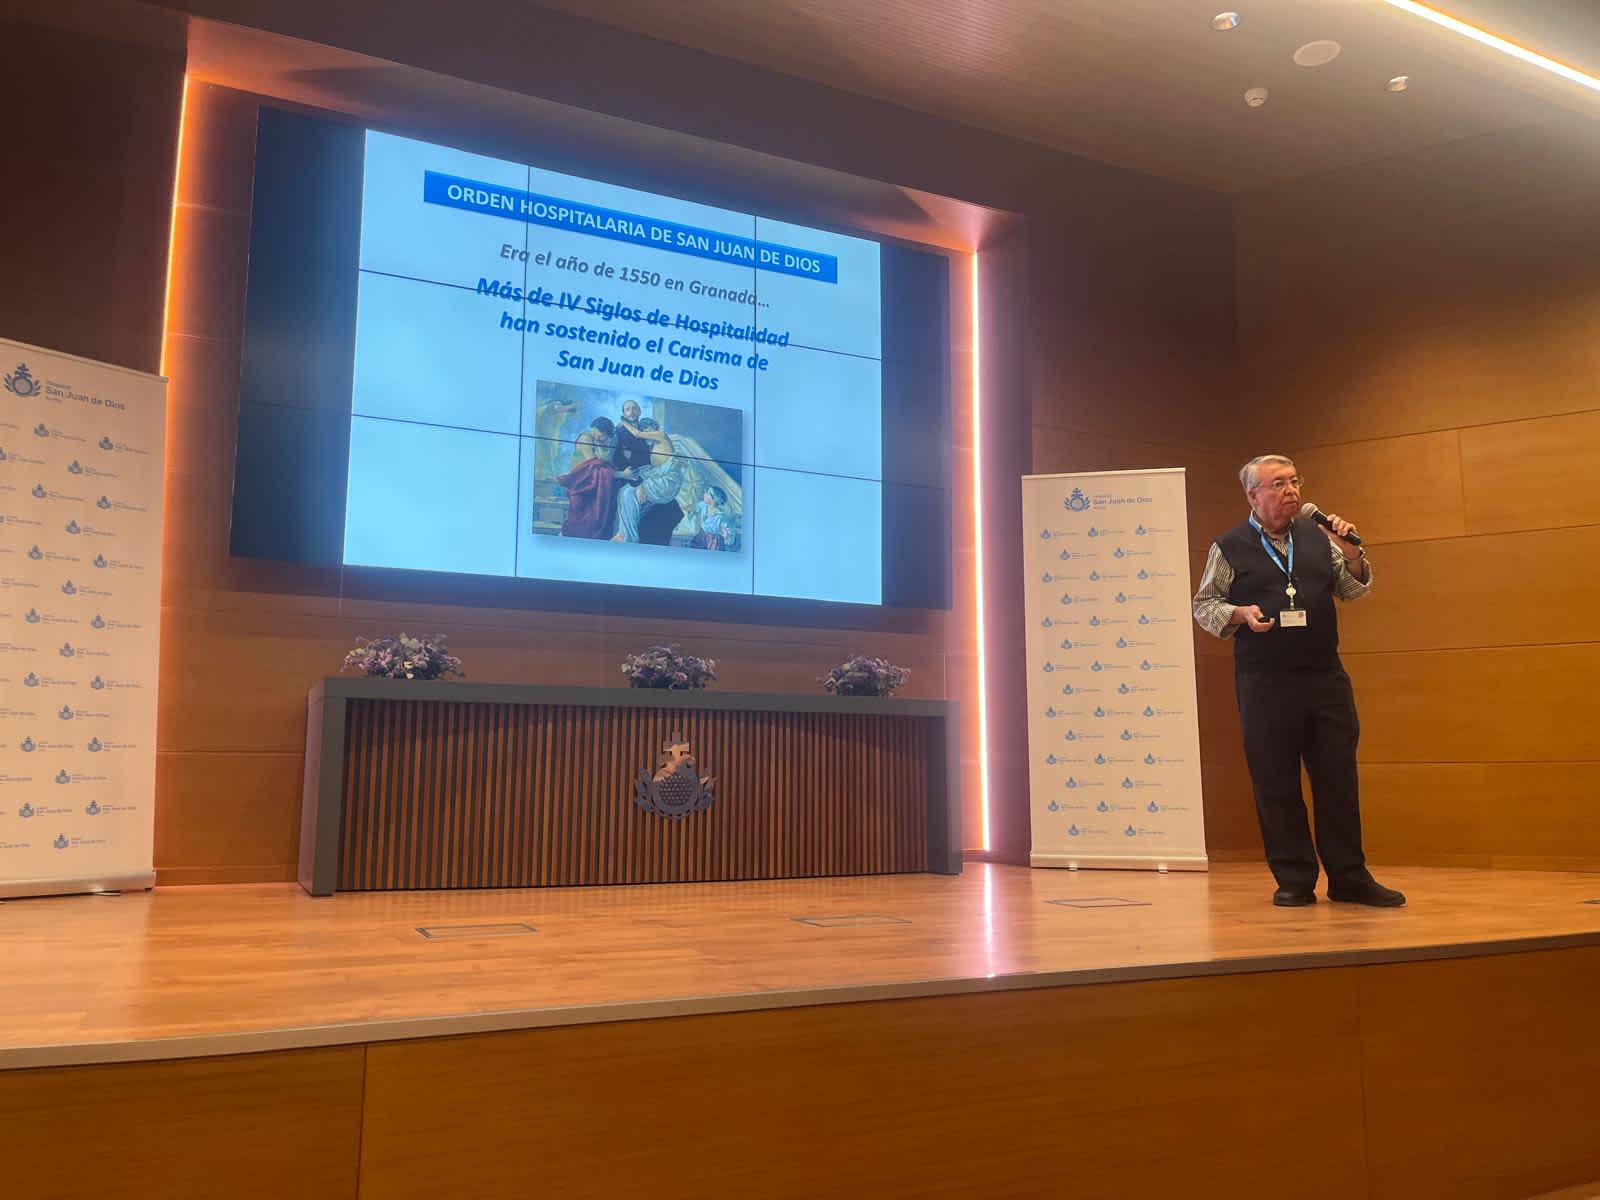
(1308, 509)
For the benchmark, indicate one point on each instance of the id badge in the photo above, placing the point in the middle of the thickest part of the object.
(1292, 618)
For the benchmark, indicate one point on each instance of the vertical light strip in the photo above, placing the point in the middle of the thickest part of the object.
(977, 548)
(172, 229)
(1485, 38)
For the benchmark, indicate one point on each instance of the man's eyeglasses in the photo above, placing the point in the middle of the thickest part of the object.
(1278, 485)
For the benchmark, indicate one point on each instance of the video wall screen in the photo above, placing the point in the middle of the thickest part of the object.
(461, 364)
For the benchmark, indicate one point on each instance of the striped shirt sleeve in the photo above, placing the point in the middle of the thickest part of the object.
(1212, 612)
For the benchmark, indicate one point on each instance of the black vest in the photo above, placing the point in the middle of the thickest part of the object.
(1257, 579)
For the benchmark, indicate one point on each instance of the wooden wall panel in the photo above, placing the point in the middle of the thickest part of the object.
(260, 1125)
(1118, 321)
(1466, 1077)
(1415, 363)
(1447, 289)
(1502, 704)
(1205, 645)
(1135, 328)
(998, 1093)
(281, 627)
(1232, 832)
(1536, 474)
(961, 642)
(1215, 501)
(218, 693)
(1544, 815)
(1403, 488)
(1433, 319)
(84, 240)
(1458, 593)
(213, 247)
(1432, 814)
(227, 815)
(1496, 1095)
(1098, 440)
(443, 795)
(1012, 344)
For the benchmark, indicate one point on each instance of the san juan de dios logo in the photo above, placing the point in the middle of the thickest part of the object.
(22, 383)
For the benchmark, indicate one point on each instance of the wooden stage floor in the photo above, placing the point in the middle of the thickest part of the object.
(189, 971)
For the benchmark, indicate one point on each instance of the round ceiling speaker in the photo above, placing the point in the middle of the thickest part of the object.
(1317, 54)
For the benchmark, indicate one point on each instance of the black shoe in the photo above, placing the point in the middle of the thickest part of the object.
(1295, 897)
(1369, 892)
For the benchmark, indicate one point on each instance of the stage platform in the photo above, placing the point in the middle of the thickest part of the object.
(1015, 1017)
(186, 971)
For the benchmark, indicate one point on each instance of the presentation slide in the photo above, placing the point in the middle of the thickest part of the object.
(561, 379)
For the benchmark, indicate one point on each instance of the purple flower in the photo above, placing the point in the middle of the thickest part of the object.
(859, 675)
(668, 667)
(402, 657)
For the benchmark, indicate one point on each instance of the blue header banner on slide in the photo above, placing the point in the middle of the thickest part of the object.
(516, 205)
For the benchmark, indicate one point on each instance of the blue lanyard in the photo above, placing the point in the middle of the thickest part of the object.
(1284, 565)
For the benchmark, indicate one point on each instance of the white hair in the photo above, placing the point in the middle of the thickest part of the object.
(1247, 473)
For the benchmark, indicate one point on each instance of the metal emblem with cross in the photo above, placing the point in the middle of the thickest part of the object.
(676, 789)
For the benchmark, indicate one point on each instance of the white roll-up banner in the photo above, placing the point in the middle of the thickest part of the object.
(81, 450)
(1113, 740)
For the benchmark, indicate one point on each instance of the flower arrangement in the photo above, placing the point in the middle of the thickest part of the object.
(403, 657)
(668, 667)
(859, 675)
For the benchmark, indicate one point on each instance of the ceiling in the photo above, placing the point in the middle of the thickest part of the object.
(523, 128)
(1148, 84)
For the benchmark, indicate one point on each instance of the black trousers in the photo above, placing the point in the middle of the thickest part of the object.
(1294, 716)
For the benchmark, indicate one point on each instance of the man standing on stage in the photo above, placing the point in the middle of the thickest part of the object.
(1270, 584)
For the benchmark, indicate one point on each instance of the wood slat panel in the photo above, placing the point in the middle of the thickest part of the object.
(441, 795)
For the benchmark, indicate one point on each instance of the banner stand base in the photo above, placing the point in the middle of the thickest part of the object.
(1121, 862)
(19, 889)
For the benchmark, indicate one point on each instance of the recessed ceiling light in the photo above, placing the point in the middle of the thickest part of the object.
(1225, 21)
(1483, 37)
(1318, 53)
(1256, 97)
(1399, 83)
